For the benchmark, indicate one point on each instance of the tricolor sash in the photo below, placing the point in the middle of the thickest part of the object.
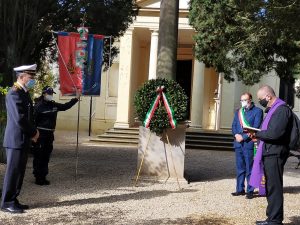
(245, 123)
(242, 118)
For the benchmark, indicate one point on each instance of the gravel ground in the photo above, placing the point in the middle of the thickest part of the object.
(103, 192)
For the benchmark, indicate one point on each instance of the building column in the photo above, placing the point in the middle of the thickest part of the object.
(153, 55)
(218, 102)
(125, 69)
(197, 94)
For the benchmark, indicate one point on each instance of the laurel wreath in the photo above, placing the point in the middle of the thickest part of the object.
(177, 99)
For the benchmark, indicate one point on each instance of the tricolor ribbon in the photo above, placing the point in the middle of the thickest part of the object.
(245, 123)
(161, 96)
(242, 118)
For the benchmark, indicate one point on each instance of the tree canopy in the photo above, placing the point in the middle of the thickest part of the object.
(26, 26)
(248, 38)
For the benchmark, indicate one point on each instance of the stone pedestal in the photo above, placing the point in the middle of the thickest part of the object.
(163, 160)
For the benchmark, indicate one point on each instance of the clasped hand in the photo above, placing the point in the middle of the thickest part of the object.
(252, 135)
(36, 136)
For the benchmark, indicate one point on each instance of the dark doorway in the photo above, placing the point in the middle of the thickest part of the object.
(286, 92)
(184, 78)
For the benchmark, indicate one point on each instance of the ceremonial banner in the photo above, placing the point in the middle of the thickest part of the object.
(70, 75)
(92, 71)
(80, 63)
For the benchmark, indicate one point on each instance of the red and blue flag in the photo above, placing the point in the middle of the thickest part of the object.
(80, 63)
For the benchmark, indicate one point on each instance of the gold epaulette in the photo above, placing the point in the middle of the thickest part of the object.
(16, 86)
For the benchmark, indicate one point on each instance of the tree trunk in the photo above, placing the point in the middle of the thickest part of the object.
(167, 40)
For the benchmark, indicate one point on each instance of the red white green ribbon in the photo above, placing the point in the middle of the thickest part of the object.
(242, 118)
(160, 96)
(244, 122)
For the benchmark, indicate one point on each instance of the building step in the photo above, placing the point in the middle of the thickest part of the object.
(209, 147)
(114, 140)
(119, 131)
(120, 136)
(211, 139)
(208, 142)
(195, 139)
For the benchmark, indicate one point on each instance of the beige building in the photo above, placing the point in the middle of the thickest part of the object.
(212, 100)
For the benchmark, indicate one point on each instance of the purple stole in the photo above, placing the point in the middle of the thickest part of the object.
(257, 178)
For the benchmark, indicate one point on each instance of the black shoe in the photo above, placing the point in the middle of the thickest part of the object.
(21, 206)
(12, 209)
(249, 195)
(238, 193)
(262, 222)
(42, 182)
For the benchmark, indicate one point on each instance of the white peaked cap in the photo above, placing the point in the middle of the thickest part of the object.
(25, 68)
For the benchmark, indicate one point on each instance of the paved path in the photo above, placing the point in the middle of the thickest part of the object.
(104, 193)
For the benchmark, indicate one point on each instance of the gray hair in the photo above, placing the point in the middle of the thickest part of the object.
(268, 90)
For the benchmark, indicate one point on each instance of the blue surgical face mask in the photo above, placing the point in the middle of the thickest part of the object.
(30, 84)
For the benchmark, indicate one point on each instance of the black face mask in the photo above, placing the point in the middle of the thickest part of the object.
(263, 102)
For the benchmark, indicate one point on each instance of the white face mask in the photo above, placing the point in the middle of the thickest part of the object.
(48, 97)
(244, 104)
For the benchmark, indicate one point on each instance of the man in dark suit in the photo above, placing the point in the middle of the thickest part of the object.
(18, 134)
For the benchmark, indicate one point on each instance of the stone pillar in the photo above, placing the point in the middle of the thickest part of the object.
(153, 55)
(197, 94)
(125, 69)
(218, 103)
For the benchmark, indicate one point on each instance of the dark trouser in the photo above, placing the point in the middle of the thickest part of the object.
(41, 156)
(244, 162)
(14, 175)
(273, 169)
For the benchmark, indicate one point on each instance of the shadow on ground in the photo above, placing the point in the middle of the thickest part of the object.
(291, 190)
(196, 162)
(110, 199)
(193, 220)
(105, 219)
(295, 220)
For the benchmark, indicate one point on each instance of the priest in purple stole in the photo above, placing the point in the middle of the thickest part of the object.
(272, 152)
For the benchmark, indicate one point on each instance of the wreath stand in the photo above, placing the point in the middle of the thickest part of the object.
(161, 158)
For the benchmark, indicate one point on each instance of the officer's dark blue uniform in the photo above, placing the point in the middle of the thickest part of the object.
(18, 133)
(45, 113)
(244, 149)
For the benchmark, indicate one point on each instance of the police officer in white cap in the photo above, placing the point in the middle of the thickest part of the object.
(19, 132)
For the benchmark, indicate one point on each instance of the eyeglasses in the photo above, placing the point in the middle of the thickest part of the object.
(244, 100)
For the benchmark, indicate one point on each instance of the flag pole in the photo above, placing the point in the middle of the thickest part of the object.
(77, 139)
(90, 116)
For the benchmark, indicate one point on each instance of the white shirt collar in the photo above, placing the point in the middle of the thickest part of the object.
(24, 88)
